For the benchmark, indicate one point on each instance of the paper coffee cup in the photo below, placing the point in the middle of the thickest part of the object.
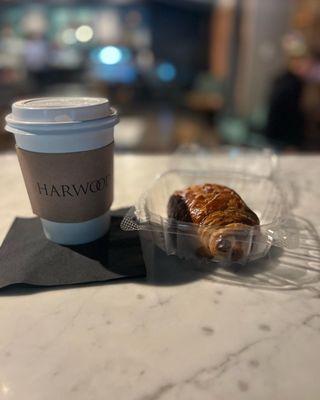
(65, 149)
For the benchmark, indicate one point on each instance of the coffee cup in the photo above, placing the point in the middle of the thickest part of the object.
(65, 147)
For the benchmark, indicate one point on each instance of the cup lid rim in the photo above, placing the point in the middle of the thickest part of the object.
(78, 102)
(59, 110)
(10, 120)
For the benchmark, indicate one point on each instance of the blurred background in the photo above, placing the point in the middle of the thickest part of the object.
(240, 72)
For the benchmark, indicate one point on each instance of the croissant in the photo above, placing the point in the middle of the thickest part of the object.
(223, 219)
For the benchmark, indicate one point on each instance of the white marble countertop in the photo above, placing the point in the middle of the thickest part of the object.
(132, 341)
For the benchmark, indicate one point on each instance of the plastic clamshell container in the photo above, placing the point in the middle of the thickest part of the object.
(174, 237)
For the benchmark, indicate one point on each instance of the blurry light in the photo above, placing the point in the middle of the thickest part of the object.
(294, 45)
(84, 33)
(4, 389)
(110, 55)
(166, 72)
(68, 36)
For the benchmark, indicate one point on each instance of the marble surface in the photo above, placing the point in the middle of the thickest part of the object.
(134, 341)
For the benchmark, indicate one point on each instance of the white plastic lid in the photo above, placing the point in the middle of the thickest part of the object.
(59, 110)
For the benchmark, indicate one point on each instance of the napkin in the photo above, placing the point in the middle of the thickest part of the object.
(27, 257)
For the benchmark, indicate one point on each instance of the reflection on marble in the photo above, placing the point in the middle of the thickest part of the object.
(198, 340)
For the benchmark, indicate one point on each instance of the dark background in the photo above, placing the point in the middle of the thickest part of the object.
(240, 72)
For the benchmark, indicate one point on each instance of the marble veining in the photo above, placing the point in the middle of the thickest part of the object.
(201, 340)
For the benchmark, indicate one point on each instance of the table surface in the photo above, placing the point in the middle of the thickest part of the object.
(131, 340)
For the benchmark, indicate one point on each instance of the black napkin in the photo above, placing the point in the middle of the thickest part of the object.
(27, 257)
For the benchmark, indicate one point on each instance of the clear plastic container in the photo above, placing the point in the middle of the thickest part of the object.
(262, 195)
(281, 253)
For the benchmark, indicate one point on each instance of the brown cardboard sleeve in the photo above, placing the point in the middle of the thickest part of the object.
(69, 187)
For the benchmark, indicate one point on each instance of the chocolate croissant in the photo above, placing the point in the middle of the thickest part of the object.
(223, 219)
